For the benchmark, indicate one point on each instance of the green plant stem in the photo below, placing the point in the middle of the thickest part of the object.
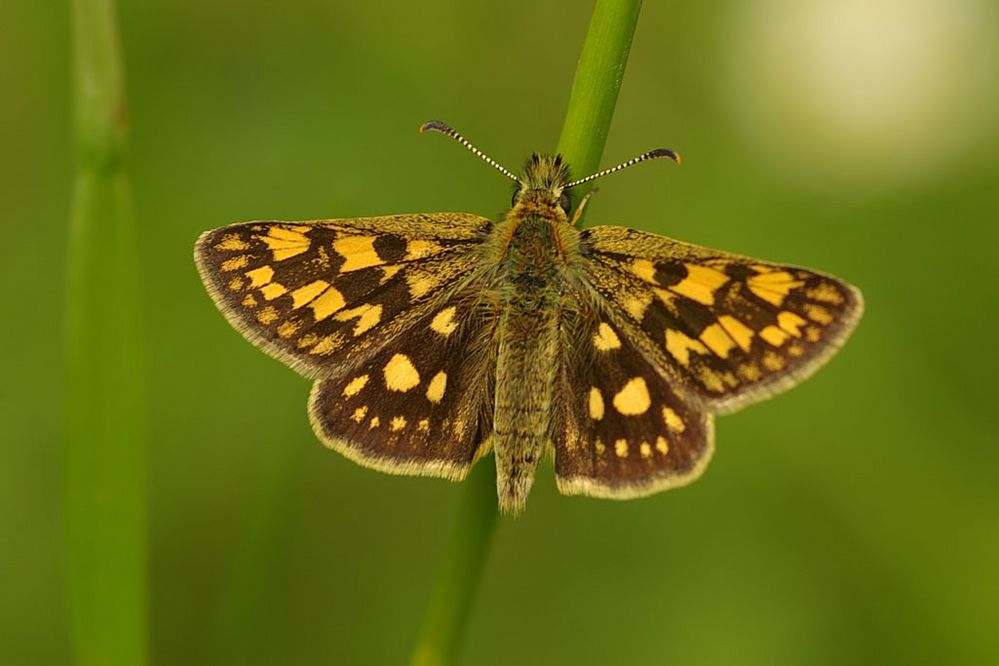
(105, 454)
(595, 88)
(457, 580)
(584, 133)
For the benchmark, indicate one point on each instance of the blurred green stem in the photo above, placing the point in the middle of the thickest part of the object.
(458, 578)
(584, 133)
(105, 454)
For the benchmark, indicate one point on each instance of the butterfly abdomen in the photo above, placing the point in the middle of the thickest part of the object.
(528, 355)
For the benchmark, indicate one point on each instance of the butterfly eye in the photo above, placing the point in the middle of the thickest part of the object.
(565, 202)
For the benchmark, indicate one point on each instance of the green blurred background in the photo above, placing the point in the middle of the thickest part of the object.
(852, 520)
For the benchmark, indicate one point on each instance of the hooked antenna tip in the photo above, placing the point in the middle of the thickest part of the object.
(436, 126)
(666, 152)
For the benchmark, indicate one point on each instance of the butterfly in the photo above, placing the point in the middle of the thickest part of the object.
(434, 339)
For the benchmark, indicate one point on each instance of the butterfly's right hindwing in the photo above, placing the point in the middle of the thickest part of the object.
(620, 430)
(323, 296)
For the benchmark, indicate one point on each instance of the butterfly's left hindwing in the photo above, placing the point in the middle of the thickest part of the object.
(325, 295)
(423, 404)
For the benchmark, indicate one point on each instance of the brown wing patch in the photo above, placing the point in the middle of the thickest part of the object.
(729, 329)
(620, 430)
(420, 406)
(307, 292)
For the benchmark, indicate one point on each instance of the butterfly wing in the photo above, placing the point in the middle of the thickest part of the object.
(620, 429)
(728, 330)
(323, 296)
(386, 313)
(422, 405)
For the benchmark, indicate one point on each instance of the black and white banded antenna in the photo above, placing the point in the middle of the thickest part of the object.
(658, 153)
(445, 129)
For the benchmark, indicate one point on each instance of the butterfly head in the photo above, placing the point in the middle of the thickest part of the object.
(544, 183)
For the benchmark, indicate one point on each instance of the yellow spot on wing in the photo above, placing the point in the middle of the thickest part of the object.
(423, 425)
(599, 446)
(634, 398)
(742, 334)
(293, 234)
(397, 423)
(236, 284)
(667, 297)
(637, 305)
(388, 272)
(774, 336)
(249, 301)
(662, 446)
(773, 362)
(272, 290)
(327, 303)
(260, 276)
(826, 293)
(288, 328)
(443, 322)
(596, 404)
(327, 344)
(435, 390)
(644, 269)
(673, 420)
(717, 340)
(417, 249)
(374, 422)
(700, 284)
(360, 413)
(367, 315)
(790, 322)
(285, 243)
(235, 263)
(358, 252)
(773, 286)
(750, 372)
(305, 294)
(232, 243)
(400, 375)
(419, 284)
(307, 340)
(711, 379)
(621, 448)
(645, 449)
(679, 346)
(354, 386)
(605, 338)
(267, 316)
(817, 313)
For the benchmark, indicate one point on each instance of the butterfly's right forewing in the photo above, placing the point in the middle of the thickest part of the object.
(728, 330)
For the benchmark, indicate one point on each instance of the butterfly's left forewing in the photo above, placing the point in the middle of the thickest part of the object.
(323, 296)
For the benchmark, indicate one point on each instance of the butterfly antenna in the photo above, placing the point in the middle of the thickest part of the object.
(656, 154)
(443, 128)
